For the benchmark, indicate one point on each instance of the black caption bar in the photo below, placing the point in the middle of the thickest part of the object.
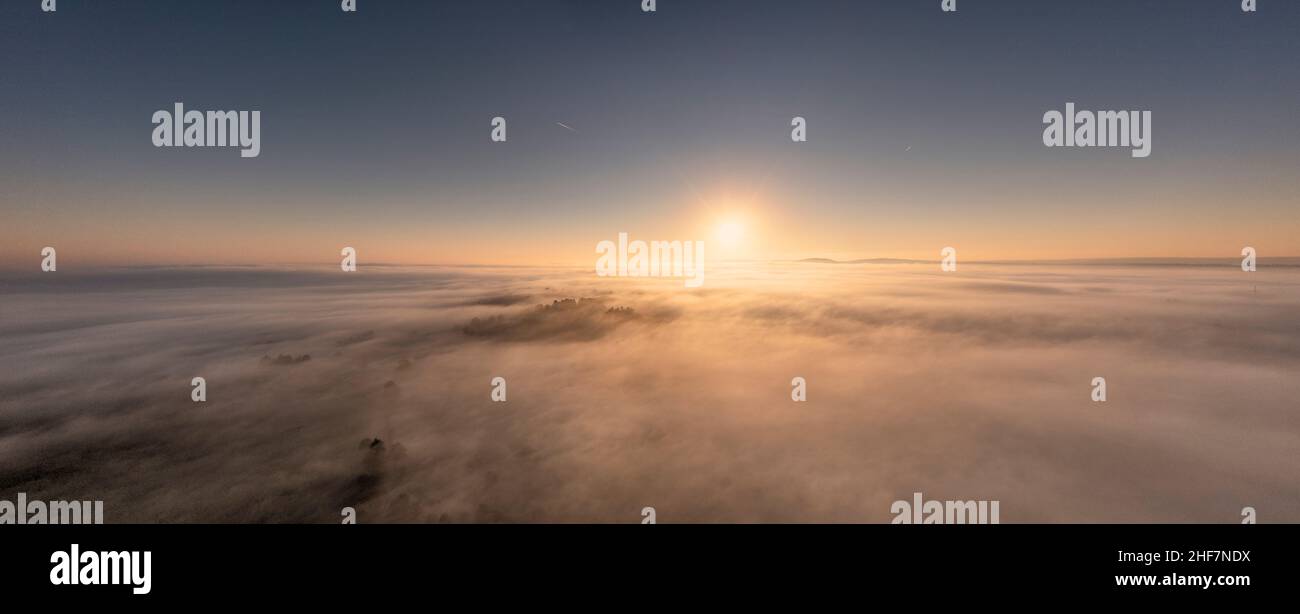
(531, 565)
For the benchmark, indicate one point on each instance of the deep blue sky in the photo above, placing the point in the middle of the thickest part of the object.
(375, 126)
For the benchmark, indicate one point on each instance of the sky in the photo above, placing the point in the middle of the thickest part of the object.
(924, 130)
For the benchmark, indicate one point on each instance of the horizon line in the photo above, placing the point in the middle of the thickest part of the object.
(1111, 261)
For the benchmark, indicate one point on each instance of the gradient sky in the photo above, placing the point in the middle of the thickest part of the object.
(924, 129)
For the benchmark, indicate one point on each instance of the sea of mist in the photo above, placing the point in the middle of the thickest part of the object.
(371, 390)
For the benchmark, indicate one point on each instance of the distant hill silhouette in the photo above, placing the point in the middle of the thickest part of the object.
(867, 261)
(1232, 261)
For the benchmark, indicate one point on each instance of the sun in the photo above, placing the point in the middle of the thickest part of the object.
(731, 233)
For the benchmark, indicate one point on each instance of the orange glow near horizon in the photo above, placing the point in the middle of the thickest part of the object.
(736, 224)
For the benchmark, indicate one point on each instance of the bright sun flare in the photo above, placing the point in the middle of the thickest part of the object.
(731, 232)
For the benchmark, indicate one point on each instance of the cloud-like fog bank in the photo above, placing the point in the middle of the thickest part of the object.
(371, 390)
